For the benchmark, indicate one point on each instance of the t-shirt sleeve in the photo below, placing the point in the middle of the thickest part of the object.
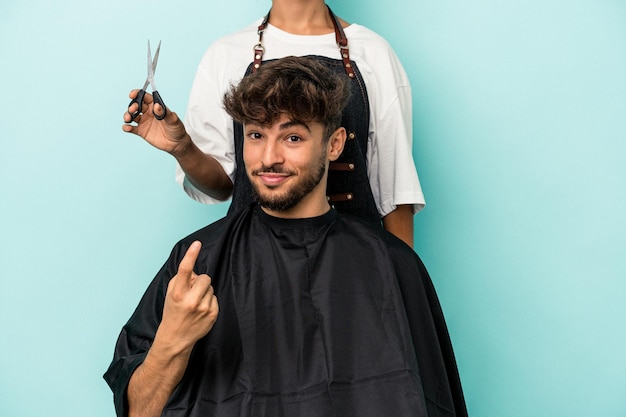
(391, 168)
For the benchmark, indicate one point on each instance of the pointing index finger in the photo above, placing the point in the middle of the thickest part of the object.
(185, 267)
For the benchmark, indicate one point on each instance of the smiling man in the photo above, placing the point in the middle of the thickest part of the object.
(291, 120)
(287, 164)
(286, 308)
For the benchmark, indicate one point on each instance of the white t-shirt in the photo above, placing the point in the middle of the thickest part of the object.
(391, 169)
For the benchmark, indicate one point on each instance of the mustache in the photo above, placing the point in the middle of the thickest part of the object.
(274, 169)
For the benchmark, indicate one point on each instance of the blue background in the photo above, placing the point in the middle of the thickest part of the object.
(519, 128)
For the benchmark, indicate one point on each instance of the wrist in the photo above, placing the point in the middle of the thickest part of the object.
(168, 348)
(184, 149)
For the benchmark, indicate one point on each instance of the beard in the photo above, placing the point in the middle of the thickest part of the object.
(291, 197)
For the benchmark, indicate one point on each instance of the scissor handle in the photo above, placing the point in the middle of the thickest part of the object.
(157, 99)
(139, 100)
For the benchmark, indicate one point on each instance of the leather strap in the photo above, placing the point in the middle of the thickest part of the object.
(340, 38)
(334, 198)
(259, 50)
(341, 166)
(342, 43)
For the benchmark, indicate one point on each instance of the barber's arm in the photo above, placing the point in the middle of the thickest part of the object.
(190, 311)
(400, 223)
(169, 135)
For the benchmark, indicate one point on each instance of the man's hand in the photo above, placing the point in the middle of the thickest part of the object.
(189, 314)
(168, 135)
(191, 307)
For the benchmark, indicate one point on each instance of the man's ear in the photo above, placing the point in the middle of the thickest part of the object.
(335, 143)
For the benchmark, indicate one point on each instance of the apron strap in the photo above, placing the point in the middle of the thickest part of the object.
(259, 50)
(340, 38)
(342, 43)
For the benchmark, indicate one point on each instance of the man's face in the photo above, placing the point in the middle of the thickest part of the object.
(286, 163)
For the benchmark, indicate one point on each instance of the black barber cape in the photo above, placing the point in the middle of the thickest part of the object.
(319, 317)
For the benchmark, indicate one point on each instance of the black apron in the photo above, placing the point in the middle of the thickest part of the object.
(348, 187)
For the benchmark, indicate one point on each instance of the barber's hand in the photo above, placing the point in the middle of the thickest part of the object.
(168, 135)
(191, 307)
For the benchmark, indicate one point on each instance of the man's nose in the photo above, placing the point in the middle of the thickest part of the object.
(272, 153)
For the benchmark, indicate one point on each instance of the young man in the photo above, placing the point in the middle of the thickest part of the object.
(374, 179)
(319, 314)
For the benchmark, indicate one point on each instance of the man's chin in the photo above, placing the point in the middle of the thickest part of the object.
(270, 198)
(276, 204)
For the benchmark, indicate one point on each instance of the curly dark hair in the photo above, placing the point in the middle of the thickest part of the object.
(300, 87)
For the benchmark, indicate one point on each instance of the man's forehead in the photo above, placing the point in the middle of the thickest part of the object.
(293, 123)
(284, 122)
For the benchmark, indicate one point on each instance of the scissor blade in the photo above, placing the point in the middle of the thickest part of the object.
(152, 63)
(150, 68)
(156, 58)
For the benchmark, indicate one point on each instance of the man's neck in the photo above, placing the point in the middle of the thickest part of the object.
(301, 17)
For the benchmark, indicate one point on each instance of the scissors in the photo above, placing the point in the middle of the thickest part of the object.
(149, 80)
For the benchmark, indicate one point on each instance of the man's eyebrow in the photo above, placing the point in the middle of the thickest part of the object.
(292, 123)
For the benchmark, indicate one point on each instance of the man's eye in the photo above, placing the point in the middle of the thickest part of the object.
(254, 135)
(294, 138)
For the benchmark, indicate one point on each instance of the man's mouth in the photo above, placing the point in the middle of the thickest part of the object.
(272, 179)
